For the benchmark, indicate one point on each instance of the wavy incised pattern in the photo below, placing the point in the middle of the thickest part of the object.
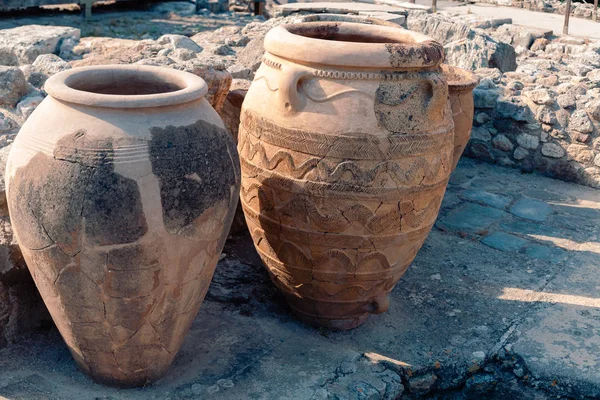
(338, 217)
(347, 145)
(402, 173)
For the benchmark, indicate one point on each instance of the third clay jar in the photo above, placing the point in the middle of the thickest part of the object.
(346, 141)
(460, 89)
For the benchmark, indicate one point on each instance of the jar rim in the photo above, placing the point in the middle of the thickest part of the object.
(104, 86)
(459, 79)
(349, 44)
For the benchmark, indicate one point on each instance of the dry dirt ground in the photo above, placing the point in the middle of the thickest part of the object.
(501, 302)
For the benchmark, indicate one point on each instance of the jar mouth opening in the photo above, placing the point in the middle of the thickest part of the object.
(349, 44)
(126, 86)
(336, 34)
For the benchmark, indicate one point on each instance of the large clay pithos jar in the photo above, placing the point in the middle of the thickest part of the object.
(460, 87)
(346, 148)
(121, 189)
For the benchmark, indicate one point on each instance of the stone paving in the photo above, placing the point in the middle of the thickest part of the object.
(501, 302)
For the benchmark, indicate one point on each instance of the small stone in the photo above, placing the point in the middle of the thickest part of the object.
(562, 117)
(591, 177)
(546, 115)
(506, 162)
(580, 153)
(481, 118)
(6, 124)
(527, 141)
(479, 355)
(539, 44)
(590, 59)
(579, 69)
(423, 384)
(179, 42)
(547, 81)
(594, 110)
(579, 137)
(512, 109)
(531, 209)
(348, 367)
(480, 151)
(552, 150)
(544, 136)
(580, 121)
(225, 383)
(13, 85)
(481, 133)
(503, 143)
(514, 86)
(485, 98)
(164, 52)
(594, 76)
(541, 96)
(597, 160)
(520, 153)
(223, 50)
(181, 54)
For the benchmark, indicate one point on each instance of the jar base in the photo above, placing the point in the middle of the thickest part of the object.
(335, 324)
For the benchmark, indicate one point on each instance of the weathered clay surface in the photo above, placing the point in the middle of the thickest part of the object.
(460, 89)
(121, 216)
(339, 202)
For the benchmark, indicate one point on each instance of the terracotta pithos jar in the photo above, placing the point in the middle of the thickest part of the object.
(346, 140)
(460, 87)
(121, 189)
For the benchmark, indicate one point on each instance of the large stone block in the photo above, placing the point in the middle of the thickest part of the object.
(25, 43)
(465, 47)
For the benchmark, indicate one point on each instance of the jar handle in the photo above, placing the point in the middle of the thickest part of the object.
(289, 96)
(439, 95)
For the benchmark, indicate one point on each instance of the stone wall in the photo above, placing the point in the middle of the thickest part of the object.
(544, 115)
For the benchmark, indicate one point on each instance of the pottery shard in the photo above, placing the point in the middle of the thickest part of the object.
(27, 42)
(13, 85)
(552, 150)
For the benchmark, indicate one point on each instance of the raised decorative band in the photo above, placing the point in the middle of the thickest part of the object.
(348, 146)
